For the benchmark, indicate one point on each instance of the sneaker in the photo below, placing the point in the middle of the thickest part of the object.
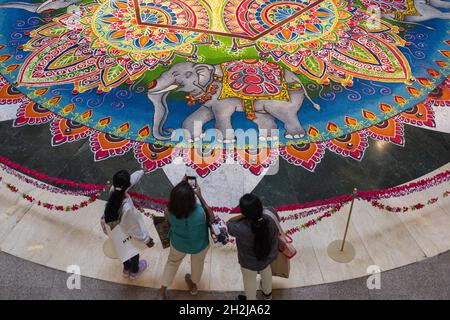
(142, 267)
(192, 286)
(126, 273)
(266, 296)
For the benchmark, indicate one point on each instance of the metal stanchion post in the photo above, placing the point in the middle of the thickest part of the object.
(340, 250)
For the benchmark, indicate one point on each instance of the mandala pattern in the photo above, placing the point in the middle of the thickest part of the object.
(351, 145)
(108, 45)
(421, 115)
(255, 160)
(65, 130)
(103, 45)
(117, 24)
(440, 97)
(204, 161)
(105, 146)
(32, 114)
(152, 157)
(9, 94)
(388, 130)
(306, 155)
(331, 41)
(391, 6)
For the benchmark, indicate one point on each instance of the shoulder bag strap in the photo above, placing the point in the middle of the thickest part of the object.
(277, 222)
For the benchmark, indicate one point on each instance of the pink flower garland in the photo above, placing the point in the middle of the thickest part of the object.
(149, 201)
(405, 189)
(310, 212)
(375, 203)
(43, 177)
(405, 209)
(23, 178)
(313, 222)
(50, 206)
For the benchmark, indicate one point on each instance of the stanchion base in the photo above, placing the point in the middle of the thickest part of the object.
(109, 250)
(335, 253)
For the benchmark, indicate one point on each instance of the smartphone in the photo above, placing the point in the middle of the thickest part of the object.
(192, 181)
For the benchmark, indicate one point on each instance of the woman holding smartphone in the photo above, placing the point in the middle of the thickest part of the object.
(188, 234)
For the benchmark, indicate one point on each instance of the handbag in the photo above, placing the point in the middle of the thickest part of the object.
(285, 245)
(123, 244)
(281, 266)
(162, 227)
(219, 232)
(217, 229)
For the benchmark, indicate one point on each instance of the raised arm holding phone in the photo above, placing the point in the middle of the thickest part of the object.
(188, 233)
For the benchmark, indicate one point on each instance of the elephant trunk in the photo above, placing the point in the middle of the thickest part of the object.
(160, 115)
(158, 90)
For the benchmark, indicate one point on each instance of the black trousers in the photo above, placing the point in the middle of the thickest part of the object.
(132, 264)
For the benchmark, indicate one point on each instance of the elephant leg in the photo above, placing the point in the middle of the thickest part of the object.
(194, 122)
(222, 113)
(266, 126)
(286, 112)
(293, 128)
(291, 123)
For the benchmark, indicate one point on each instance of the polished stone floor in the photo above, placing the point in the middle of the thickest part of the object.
(428, 279)
(384, 165)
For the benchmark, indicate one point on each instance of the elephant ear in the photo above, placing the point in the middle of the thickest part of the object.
(205, 74)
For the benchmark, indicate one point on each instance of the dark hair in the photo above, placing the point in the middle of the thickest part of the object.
(182, 200)
(121, 182)
(252, 208)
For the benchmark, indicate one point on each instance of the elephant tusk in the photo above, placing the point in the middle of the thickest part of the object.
(169, 88)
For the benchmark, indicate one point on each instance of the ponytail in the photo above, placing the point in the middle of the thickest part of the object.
(262, 244)
(252, 208)
(121, 182)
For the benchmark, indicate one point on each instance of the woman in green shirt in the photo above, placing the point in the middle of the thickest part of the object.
(188, 234)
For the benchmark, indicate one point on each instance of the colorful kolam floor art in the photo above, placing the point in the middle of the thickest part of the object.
(123, 73)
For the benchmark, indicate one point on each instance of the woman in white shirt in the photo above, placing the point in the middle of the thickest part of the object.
(120, 209)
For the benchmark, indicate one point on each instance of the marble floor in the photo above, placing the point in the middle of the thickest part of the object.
(410, 282)
(387, 240)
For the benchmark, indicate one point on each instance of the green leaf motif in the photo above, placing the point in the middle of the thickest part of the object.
(360, 53)
(312, 64)
(66, 60)
(54, 31)
(114, 72)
